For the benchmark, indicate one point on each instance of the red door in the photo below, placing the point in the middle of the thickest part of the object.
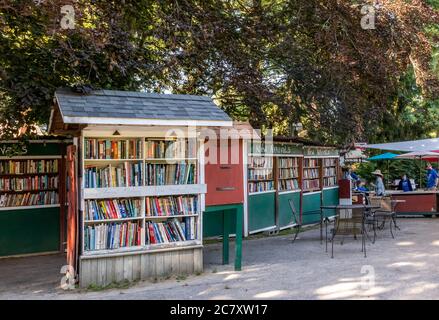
(72, 213)
(225, 180)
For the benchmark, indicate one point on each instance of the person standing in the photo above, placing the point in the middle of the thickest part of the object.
(379, 184)
(432, 177)
(405, 184)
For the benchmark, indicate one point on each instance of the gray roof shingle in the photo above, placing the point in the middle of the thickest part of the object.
(138, 105)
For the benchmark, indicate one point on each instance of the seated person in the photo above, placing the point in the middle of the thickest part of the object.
(405, 184)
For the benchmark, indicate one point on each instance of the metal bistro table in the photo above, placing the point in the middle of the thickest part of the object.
(365, 207)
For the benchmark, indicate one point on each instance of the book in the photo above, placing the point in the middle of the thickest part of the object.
(311, 184)
(112, 149)
(171, 205)
(29, 199)
(260, 168)
(120, 175)
(10, 167)
(29, 183)
(171, 230)
(113, 209)
(164, 174)
(260, 186)
(170, 149)
(287, 185)
(112, 236)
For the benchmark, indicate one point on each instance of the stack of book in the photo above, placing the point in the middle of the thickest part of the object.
(28, 199)
(112, 209)
(28, 166)
(260, 174)
(329, 162)
(162, 174)
(170, 149)
(311, 184)
(171, 206)
(329, 171)
(29, 183)
(171, 231)
(123, 175)
(329, 181)
(260, 186)
(113, 149)
(287, 185)
(310, 173)
(112, 236)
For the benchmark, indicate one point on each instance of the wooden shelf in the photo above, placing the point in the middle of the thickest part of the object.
(144, 191)
(311, 190)
(259, 180)
(173, 216)
(111, 160)
(28, 174)
(28, 191)
(292, 178)
(42, 206)
(170, 159)
(111, 220)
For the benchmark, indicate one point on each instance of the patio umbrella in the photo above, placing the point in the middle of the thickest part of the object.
(385, 156)
(421, 155)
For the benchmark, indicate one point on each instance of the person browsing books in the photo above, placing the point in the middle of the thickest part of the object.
(432, 177)
(379, 184)
(405, 184)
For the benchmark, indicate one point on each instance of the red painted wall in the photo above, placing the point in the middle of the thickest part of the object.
(225, 181)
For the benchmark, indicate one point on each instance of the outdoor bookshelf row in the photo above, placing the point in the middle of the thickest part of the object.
(291, 173)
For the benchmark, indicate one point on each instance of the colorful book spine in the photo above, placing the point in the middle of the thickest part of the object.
(170, 149)
(171, 206)
(112, 209)
(112, 149)
(171, 231)
(165, 174)
(108, 236)
(311, 184)
(29, 183)
(123, 175)
(260, 186)
(17, 167)
(288, 185)
(29, 199)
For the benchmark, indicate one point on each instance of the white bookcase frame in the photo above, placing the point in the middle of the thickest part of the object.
(141, 192)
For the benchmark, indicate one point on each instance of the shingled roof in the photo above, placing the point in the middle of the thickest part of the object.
(111, 106)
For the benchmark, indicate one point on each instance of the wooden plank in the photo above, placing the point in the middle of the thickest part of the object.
(128, 268)
(145, 270)
(175, 262)
(118, 265)
(111, 267)
(136, 261)
(198, 260)
(186, 262)
(159, 265)
(85, 274)
(101, 275)
(167, 263)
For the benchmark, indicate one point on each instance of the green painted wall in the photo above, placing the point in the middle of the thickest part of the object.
(329, 197)
(285, 213)
(213, 220)
(311, 208)
(261, 213)
(29, 231)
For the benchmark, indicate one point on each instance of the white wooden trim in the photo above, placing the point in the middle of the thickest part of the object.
(30, 157)
(245, 187)
(263, 229)
(145, 191)
(321, 157)
(289, 191)
(288, 226)
(329, 188)
(278, 155)
(309, 193)
(261, 192)
(30, 207)
(147, 122)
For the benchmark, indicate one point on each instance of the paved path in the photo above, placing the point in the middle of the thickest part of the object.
(405, 268)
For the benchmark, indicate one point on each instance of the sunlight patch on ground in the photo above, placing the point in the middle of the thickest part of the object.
(421, 287)
(231, 277)
(435, 243)
(405, 243)
(407, 264)
(271, 294)
(348, 290)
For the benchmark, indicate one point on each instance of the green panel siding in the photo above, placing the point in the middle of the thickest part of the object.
(330, 197)
(213, 220)
(29, 231)
(261, 213)
(285, 213)
(311, 208)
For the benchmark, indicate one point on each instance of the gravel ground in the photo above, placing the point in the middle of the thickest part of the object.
(273, 268)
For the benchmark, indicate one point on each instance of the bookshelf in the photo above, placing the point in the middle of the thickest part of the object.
(260, 174)
(329, 172)
(29, 182)
(141, 194)
(289, 173)
(311, 174)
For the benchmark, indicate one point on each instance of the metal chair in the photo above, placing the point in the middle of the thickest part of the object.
(385, 213)
(297, 224)
(349, 222)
